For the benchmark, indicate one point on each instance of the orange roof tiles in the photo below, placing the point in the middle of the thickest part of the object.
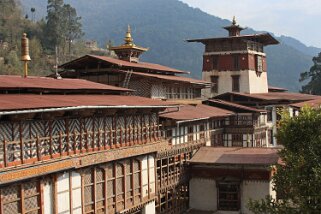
(192, 112)
(236, 156)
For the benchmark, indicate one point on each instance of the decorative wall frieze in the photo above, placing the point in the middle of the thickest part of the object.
(29, 172)
(121, 153)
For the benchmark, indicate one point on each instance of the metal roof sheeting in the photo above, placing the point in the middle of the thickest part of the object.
(264, 38)
(123, 63)
(236, 156)
(272, 96)
(174, 78)
(33, 82)
(192, 112)
(234, 105)
(10, 102)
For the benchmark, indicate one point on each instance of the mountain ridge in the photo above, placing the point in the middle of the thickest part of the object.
(164, 25)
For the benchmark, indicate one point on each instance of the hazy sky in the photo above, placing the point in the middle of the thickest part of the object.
(300, 19)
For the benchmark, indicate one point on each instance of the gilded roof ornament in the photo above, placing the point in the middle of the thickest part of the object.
(128, 38)
(234, 21)
(129, 43)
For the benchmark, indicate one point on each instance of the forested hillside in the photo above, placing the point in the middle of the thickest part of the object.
(164, 25)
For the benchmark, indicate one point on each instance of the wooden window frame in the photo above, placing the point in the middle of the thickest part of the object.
(214, 81)
(233, 204)
(236, 83)
(22, 197)
(236, 62)
(259, 63)
(215, 62)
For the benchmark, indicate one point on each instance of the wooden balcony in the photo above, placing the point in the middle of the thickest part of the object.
(74, 144)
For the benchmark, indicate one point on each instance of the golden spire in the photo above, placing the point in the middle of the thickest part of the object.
(234, 21)
(128, 38)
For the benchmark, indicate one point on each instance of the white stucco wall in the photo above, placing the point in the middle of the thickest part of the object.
(76, 193)
(149, 208)
(48, 197)
(203, 194)
(255, 190)
(63, 193)
(145, 176)
(258, 84)
(152, 175)
(63, 199)
(250, 82)
(148, 161)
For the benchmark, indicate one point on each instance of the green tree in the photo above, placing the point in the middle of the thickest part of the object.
(314, 77)
(10, 21)
(63, 25)
(298, 180)
(54, 28)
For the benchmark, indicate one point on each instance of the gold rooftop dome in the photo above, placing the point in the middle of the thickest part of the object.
(128, 51)
(129, 43)
(128, 38)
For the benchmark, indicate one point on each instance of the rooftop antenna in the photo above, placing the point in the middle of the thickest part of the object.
(25, 57)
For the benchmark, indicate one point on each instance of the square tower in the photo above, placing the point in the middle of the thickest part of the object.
(236, 63)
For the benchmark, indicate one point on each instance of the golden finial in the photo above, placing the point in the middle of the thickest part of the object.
(128, 38)
(25, 57)
(25, 48)
(234, 21)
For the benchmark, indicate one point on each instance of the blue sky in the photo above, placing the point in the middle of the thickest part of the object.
(300, 19)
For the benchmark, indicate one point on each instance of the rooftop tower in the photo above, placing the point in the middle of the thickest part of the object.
(236, 63)
(129, 51)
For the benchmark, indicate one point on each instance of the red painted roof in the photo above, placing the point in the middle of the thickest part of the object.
(123, 63)
(173, 78)
(236, 156)
(192, 112)
(9, 102)
(33, 82)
